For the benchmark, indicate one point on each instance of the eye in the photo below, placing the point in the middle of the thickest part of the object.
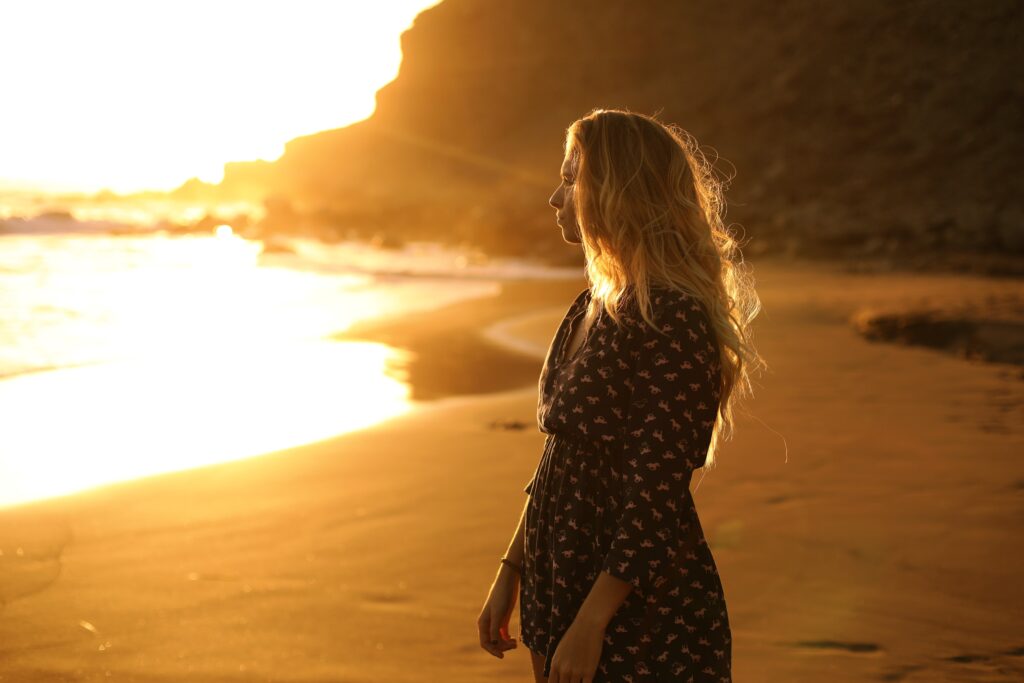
(567, 180)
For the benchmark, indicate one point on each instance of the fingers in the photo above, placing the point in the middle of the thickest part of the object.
(506, 641)
(494, 636)
(494, 640)
(499, 637)
(495, 632)
(484, 628)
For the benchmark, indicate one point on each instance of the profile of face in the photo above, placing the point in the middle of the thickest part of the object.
(565, 211)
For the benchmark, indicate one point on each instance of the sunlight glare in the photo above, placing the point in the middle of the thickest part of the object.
(132, 95)
(190, 351)
(82, 427)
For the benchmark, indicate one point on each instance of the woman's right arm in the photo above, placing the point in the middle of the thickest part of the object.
(493, 620)
(516, 547)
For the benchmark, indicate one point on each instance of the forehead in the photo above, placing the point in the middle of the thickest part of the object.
(569, 163)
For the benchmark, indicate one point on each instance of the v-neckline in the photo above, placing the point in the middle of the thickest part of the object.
(570, 331)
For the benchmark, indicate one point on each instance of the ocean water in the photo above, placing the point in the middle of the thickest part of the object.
(124, 356)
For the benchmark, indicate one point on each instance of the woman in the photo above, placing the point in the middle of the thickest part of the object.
(638, 388)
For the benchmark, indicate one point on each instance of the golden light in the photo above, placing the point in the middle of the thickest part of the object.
(133, 95)
(179, 351)
(211, 355)
(68, 431)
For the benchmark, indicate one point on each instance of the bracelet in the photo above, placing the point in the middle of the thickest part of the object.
(510, 563)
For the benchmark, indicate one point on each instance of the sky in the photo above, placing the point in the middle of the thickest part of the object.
(136, 95)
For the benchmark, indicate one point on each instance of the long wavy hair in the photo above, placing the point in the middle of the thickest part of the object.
(650, 208)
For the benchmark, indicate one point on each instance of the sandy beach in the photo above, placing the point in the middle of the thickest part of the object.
(866, 520)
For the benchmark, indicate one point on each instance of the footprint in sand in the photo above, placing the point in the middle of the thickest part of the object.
(30, 553)
(900, 672)
(859, 648)
(967, 658)
(517, 425)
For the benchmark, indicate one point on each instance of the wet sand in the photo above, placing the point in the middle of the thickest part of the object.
(866, 519)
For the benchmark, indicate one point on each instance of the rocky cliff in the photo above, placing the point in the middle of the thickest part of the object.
(874, 126)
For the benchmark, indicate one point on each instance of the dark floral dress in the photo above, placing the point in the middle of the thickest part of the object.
(628, 418)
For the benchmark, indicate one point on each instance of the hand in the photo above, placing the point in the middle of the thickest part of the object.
(493, 620)
(578, 653)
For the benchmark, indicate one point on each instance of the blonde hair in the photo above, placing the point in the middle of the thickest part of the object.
(650, 209)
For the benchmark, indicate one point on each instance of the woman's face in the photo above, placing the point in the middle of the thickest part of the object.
(562, 201)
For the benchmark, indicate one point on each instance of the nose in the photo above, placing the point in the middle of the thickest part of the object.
(556, 200)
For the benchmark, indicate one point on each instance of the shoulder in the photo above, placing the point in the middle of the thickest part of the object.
(678, 331)
(578, 303)
(671, 311)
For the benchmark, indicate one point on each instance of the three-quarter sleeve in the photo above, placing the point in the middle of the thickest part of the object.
(669, 422)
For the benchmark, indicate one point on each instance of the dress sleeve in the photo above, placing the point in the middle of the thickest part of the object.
(529, 487)
(670, 419)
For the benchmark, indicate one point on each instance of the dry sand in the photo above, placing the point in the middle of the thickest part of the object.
(866, 520)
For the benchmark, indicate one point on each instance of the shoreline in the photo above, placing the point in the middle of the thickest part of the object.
(464, 349)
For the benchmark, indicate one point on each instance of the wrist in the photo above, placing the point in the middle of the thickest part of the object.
(591, 620)
(507, 564)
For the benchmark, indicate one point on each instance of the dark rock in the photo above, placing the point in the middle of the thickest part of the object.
(837, 118)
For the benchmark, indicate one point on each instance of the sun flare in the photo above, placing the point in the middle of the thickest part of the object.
(130, 96)
(181, 352)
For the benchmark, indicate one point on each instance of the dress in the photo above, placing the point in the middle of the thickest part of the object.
(628, 419)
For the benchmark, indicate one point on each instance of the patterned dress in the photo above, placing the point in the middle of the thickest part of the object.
(628, 418)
